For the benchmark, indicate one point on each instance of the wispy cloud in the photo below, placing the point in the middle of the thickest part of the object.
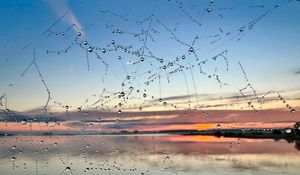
(175, 98)
(16, 117)
(61, 7)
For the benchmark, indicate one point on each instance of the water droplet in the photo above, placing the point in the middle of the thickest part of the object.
(85, 42)
(68, 169)
(13, 159)
(142, 58)
(122, 94)
(24, 121)
(90, 49)
(103, 50)
(144, 95)
(191, 49)
(218, 126)
(164, 103)
(119, 112)
(293, 111)
(160, 99)
(288, 130)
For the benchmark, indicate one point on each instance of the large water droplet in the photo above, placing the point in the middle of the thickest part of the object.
(24, 121)
(90, 49)
(122, 94)
(119, 112)
(288, 130)
(67, 169)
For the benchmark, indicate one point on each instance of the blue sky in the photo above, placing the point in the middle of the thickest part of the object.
(269, 52)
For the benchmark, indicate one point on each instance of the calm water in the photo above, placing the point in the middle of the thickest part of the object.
(161, 155)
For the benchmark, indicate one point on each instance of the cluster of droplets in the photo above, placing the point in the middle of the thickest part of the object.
(284, 101)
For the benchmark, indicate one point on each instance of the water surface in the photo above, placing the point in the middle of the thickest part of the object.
(150, 154)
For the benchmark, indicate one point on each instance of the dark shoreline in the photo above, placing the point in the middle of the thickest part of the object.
(266, 133)
(275, 134)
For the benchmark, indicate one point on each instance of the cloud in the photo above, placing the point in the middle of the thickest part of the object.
(189, 119)
(182, 97)
(144, 124)
(37, 110)
(143, 121)
(174, 98)
(297, 72)
(60, 8)
(19, 117)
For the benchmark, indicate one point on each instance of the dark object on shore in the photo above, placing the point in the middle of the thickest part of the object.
(277, 133)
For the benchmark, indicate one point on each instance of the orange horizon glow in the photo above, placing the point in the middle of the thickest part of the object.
(18, 127)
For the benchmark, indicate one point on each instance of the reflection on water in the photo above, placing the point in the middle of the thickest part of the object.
(152, 154)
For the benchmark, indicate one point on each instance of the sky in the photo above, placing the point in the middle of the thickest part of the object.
(126, 60)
